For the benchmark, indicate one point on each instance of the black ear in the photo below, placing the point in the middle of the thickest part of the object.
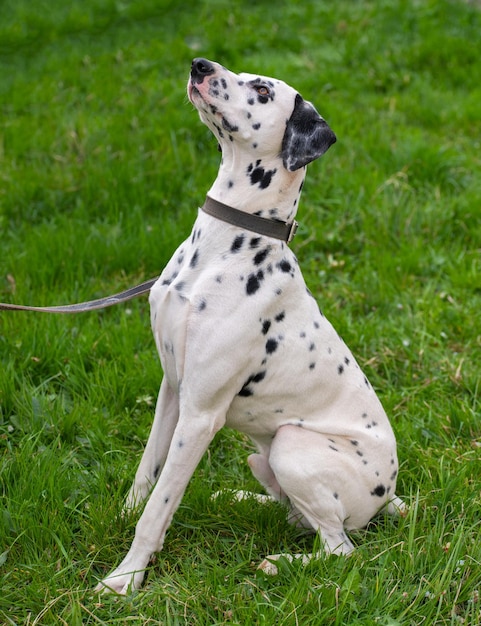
(307, 136)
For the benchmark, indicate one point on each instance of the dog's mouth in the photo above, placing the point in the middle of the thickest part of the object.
(198, 99)
(192, 91)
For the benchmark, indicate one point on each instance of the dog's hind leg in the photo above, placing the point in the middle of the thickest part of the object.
(313, 478)
(259, 464)
(155, 453)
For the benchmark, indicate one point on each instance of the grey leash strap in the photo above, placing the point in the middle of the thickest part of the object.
(82, 307)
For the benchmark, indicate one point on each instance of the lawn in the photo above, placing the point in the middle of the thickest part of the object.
(103, 163)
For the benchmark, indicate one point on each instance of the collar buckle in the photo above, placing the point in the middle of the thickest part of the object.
(292, 231)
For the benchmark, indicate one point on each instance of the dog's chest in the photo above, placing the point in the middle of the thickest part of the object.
(234, 315)
(217, 293)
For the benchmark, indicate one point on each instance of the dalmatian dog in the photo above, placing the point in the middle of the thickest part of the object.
(243, 343)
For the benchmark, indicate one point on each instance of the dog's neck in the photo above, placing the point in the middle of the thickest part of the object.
(262, 186)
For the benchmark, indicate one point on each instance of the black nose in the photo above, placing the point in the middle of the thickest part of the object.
(200, 69)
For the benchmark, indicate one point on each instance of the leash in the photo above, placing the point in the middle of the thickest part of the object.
(260, 225)
(91, 305)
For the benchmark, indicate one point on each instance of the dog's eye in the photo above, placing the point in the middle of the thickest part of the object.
(262, 90)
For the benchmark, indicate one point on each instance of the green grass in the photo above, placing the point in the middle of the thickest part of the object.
(102, 165)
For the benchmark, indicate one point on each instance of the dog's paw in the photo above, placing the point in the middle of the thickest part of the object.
(268, 565)
(120, 583)
(396, 507)
(240, 495)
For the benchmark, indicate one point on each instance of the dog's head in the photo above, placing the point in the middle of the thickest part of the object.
(263, 115)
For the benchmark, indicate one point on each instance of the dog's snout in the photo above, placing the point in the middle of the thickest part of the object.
(200, 69)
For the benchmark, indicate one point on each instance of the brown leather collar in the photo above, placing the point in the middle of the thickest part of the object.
(260, 225)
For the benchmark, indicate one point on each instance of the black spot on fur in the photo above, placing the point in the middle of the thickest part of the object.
(261, 256)
(202, 305)
(255, 378)
(254, 242)
(340, 369)
(312, 366)
(156, 471)
(284, 266)
(194, 260)
(230, 128)
(254, 282)
(271, 345)
(219, 131)
(266, 324)
(237, 243)
(258, 175)
(379, 491)
(280, 316)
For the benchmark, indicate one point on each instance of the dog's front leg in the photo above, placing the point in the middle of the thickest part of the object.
(155, 453)
(189, 442)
